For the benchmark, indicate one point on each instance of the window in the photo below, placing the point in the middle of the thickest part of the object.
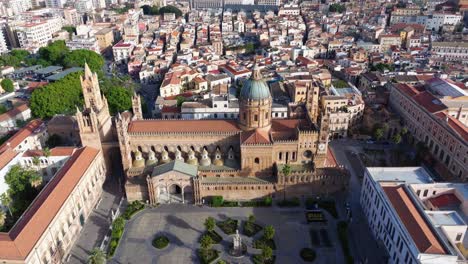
(458, 238)
(425, 193)
(255, 118)
(257, 161)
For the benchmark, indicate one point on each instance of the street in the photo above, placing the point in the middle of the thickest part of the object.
(363, 246)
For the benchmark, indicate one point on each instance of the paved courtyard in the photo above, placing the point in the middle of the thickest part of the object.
(183, 225)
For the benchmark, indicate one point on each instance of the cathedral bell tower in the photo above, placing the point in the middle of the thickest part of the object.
(255, 103)
(94, 122)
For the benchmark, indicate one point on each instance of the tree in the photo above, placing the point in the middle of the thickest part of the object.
(251, 218)
(180, 100)
(150, 10)
(286, 170)
(170, 9)
(15, 58)
(2, 218)
(269, 232)
(210, 224)
(396, 138)
(78, 58)
(3, 109)
(206, 241)
(54, 53)
(249, 48)
(97, 257)
(267, 253)
(337, 8)
(36, 161)
(20, 190)
(7, 85)
(404, 131)
(119, 99)
(6, 201)
(379, 133)
(60, 97)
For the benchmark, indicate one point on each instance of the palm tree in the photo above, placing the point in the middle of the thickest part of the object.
(35, 180)
(47, 153)
(5, 199)
(286, 171)
(36, 161)
(97, 257)
(2, 218)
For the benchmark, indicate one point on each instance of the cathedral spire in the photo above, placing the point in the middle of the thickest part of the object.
(88, 73)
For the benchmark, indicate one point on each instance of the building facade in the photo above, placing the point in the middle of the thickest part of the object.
(240, 160)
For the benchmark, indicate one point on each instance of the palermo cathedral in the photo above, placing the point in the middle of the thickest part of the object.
(189, 161)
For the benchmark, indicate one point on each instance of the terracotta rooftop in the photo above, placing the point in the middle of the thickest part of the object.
(422, 235)
(455, 124)
(429, 102)
(182, 126)
(407, 89)
(6, 156)
(12, 113)
(254, 137)
(21, 135)
(445, 200)
(55, 152)
(18, 243)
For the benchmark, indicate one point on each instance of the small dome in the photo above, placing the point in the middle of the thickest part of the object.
(255, 88)
(178, 155)
(151, 158)
(192, 159)
(164, 157)
(139, 162)
(217, 160)
(205, 159)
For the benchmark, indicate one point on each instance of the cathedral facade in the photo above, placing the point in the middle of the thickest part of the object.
(192, 160)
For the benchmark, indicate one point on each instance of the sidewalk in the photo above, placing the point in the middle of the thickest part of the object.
(97, 224)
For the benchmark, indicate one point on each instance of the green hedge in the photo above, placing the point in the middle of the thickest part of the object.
(207, 255)
(218, 201)
(132, 209)
(250, 229)
(289, 203)
(228, 226)
(117, 231)
(343, 236)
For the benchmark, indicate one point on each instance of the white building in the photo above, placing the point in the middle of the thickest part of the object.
(72, 17)
(122, 51)
(54, 3)
(15, 7)
(439, 19)
(84, 6)
(50, 226)
(407, 212)
(87, 42)
(37, 34)
(3, 46)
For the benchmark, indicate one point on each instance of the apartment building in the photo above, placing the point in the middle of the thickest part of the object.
(72, 17)
(427, 119)
(36, 34)
(54, 3)
(50, 226)
(451, 51)
(105, 38)
(437, 20)
(122, 51)
(417, 221)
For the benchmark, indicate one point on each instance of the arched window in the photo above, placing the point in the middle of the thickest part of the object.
(257, 161)
(255, 118)
(266, 115)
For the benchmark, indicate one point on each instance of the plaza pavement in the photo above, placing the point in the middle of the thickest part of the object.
(183, 225)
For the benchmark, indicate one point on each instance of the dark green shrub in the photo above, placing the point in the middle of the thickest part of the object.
(308, 254)
(160, 242)
(217, 201)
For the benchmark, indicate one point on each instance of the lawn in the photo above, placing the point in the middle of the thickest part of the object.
(228, 226)
(207, 255)
(250, 229)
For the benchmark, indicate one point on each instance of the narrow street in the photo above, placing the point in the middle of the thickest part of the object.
(97, 224)
(363, 246)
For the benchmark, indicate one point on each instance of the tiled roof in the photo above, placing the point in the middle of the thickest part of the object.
(55, 152)
(422, 235)
(455, 124)
(254, 137)
(429, 102)
(176, 165)
(22, 134)
(6, 156)
(182, 126)
(13, 112)
(18, 243)
(445, 200)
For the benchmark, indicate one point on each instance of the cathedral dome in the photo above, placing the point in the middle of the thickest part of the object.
(255, 88)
